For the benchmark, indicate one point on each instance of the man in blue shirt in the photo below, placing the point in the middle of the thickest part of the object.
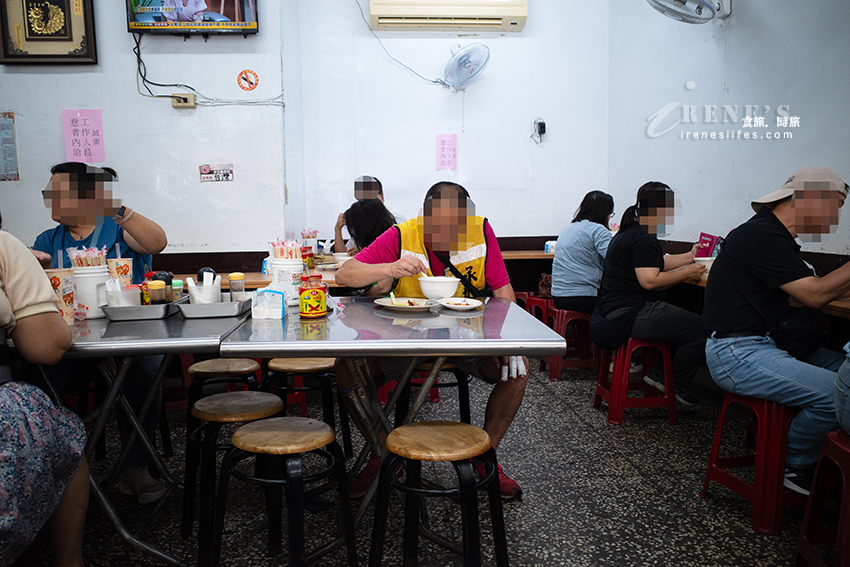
(82, 204)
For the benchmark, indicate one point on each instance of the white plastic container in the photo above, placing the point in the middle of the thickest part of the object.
(90, 291)
(124, 298)
(205, 293)
(288, 274)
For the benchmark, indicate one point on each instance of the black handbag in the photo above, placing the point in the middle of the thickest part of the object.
(799, 335)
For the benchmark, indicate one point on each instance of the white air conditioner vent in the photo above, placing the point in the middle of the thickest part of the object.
(448, 15)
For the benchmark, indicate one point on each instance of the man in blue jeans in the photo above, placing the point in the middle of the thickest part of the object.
(842, 392)
(747, 293)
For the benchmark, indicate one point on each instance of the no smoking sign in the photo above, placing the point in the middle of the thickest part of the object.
(248, 80)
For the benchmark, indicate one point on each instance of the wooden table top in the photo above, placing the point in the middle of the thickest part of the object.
(838, 308)
(256, 280)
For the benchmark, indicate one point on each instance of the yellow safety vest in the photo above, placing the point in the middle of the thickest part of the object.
(469, 262)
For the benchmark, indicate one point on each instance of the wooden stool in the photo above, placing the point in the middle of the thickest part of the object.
(292, 372)
(221, 370)
(833, 465)
(616, 390)
(286, 437)
(215, 411)
(766, 493)
(582, 348)
(439, 441)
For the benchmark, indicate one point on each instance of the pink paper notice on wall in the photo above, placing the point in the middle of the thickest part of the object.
(83, 135)
(446, 151)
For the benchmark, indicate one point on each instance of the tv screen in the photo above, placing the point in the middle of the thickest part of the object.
(192, 16)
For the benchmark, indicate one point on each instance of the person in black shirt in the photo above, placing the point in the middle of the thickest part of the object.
(746, 298)
(631, 296)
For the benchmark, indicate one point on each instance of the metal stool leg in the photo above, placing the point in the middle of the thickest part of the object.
(382, 504)
(463, 396)
(273, 469)
(232, 457)
(469, 513)
(497, 516)
(207, 504)
(190, 476)
(345, 503)
(295, 509)
(412, 503)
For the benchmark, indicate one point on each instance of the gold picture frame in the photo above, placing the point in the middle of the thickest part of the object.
(47, 32)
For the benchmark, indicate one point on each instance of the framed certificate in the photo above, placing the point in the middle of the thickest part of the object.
(47, 31)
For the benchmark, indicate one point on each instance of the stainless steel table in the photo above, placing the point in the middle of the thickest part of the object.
(357, 328)
(174, 335)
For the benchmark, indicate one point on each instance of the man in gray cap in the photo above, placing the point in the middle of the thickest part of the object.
(759, 345)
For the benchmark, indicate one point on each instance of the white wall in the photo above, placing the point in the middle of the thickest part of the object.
(595, 75)
(365, 115)
(778, 53)
(157, 149)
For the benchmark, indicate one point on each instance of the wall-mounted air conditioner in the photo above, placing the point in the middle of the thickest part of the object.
(448, 15)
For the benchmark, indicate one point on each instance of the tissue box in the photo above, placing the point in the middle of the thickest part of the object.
(268, 303)
(550, 246)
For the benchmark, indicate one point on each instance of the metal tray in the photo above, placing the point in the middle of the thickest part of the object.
(143, 312)
(205, 310)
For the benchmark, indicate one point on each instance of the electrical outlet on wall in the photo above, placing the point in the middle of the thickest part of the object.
(183, 100)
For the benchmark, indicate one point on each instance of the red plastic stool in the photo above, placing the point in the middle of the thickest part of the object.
(521, 298)
(539, 307)
(834, 463)
(616, 390)
(580, 351)
(766, 493)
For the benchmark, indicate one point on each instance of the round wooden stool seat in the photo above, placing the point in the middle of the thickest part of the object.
(223, 367)
(439, 441)
(231, 407)
(301, 365)
(282, 436)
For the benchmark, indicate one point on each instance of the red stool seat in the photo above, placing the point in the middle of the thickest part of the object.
(521, 298)
(580, 351)
(615, 391)
(766, 493)
(834, 464)
(539, 308)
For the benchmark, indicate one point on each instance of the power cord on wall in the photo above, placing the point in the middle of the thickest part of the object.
(369, 27)
(539, 130)
(203, 100)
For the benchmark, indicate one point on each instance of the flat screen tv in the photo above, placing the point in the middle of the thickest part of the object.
(192, 16)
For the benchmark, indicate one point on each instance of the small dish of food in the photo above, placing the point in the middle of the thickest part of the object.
(406, 303)
(460, 303)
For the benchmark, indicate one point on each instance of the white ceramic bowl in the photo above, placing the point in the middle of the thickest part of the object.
(438, 287)
(707, 262)
(340, 257)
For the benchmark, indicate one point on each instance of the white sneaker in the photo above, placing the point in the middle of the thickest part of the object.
(683, 397)
(633, 368)
(142, 485)
(657, 385)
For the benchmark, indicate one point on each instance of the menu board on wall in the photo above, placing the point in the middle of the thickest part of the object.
(8, 150)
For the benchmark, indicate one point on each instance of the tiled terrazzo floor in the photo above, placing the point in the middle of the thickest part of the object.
(594, 494)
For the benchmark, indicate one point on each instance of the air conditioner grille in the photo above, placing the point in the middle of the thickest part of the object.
(440, 21)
